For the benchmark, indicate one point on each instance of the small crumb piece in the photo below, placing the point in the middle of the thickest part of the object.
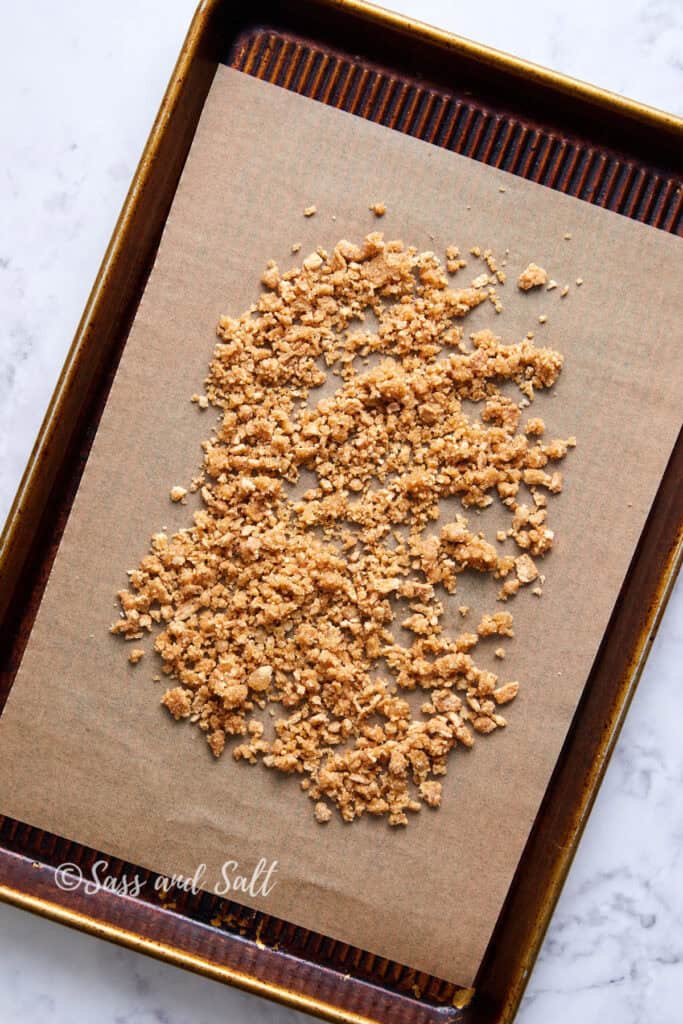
(260, 678)
(431, 793)
(567, 236)
(271, 275)
(177, 493)
(535, 427)
(537, 591)
(178, 702)
(464, 610)
(579, 281)
(296, 246)
(551, 285)
(565, 292)
(499, 624)
(379, 209)
(322, 812)
(135, 655)
(505, 693)
(542, 318)
(310, 211)
(499, 652)
(533, 277)
(526, 569)
(501, 188)
(313, 262)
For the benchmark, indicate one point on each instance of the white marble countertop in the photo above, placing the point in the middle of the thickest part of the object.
(80, 82)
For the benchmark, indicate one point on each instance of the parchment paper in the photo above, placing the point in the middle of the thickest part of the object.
(86, 751)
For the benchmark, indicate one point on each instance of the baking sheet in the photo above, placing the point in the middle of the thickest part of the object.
(85, 749)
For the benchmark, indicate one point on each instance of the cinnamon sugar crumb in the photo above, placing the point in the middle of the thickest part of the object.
(322, 812)
(279, 608)
(532, 277)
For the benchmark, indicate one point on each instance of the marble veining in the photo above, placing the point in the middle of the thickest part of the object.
(79, 87)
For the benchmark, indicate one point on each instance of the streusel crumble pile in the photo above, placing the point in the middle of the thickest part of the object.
(301, 622)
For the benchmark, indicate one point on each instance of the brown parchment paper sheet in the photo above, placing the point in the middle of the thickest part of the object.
(86, 750)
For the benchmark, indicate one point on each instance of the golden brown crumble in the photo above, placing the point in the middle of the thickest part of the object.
(379, 209)
(533, 277)
(301, 623)
(310, 211)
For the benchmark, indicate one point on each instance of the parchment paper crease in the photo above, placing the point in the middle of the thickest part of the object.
(87, 752)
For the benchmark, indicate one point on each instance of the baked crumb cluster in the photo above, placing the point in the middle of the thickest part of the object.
(301, 620)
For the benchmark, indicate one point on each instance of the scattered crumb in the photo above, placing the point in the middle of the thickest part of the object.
(567, 236)
(270, 607)
(322, 812)
(502, 188)
(379, 209)
(431, 793)
(506, 693)
(310, 211)
(135, 655)
(499, 652)
(454, 261)
(296, 246)
(579, 281)
(551, 285)
(462, 998)
(564, 292)
(542, 319)
(537, 591)
(532, 277)
(535, 427)
(526, 569)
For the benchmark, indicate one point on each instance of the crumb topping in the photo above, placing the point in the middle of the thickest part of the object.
(305, 601)
(533, 277)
